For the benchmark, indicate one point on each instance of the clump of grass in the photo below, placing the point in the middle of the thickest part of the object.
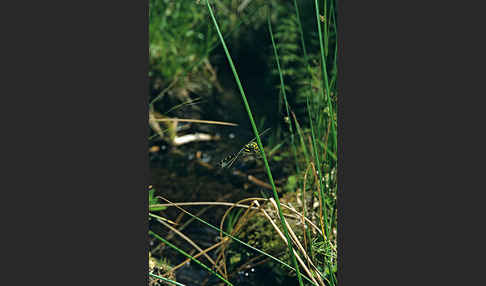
(295, 231)
(222, 244)
(260, 146)
(321, 114)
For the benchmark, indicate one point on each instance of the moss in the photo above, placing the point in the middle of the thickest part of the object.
(159, 267)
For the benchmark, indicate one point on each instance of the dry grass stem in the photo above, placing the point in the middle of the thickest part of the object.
(196, 121)
(190, 241)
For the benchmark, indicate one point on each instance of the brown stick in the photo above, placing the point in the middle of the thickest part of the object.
(196, 121)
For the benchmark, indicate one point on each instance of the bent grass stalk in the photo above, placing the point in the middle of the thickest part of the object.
(234, 230)
(294, 149)
(262, 151)
(188, 256)
(283, 238)
(184, 237)
(323, 53)
(195, 256)
(234, 238)
(299, 215)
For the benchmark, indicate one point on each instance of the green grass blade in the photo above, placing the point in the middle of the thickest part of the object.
(188, 256)
(318, 164)
(166, 280)
(235, 239)
(262, 151)
(282, 87)
(327, 95)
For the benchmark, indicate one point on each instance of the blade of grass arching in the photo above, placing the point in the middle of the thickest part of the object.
(232, 237)
(218, 244)
(234, 230)
(327, 95)
(167, 280)
(259, 142)
(235, 205)
(188, 256)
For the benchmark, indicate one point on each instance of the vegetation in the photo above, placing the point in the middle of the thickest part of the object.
(266, 64)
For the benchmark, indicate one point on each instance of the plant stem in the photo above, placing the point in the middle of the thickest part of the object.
(255, 131)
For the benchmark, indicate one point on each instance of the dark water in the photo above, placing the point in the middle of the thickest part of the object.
(177, 176)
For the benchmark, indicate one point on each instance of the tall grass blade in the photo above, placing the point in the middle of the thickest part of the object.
(262, 151)
(327, 96)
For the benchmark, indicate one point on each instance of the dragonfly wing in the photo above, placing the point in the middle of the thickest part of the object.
(261, 134)
(231, 159)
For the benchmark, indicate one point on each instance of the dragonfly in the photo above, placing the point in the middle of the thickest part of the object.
(248, 149)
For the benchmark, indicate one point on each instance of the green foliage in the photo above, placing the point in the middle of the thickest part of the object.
(290, 55)
(324, 252)
(233, 219)
(181, 39)
(172, 26)
(154, 200)
(157, 268)
(260, 233)
(259, 142)
(310, 90)
(302, 70)
(291, 185)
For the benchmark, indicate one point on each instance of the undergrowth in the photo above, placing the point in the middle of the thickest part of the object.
(294, 230)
